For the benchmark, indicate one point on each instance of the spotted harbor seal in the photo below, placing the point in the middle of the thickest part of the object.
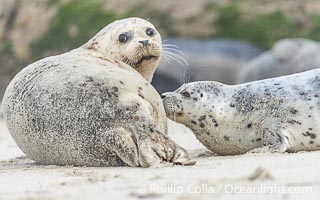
(287, 56)
(279, 114)
(91, 107)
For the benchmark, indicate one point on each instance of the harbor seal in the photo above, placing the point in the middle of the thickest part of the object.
(279, 114)
(88, 107)
(287, 56)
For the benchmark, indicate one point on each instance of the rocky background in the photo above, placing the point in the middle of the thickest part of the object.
(32, 29)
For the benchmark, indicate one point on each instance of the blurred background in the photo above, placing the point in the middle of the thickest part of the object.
(222, 40)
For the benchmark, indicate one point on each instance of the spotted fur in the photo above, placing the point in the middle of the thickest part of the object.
(279, 114)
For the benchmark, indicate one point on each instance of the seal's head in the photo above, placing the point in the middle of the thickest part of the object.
(134, 41)
(183, 104)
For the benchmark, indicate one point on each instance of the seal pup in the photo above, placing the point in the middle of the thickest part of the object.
(279, 114)
(94, 106)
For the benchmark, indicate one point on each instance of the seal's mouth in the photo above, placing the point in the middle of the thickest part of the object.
(137, 62)
(172, 108)
(174, 115)
(144, 58)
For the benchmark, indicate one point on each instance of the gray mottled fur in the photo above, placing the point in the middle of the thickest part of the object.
(78, 109)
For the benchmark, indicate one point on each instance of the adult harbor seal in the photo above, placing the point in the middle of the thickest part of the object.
(91, 107)
(277, 115)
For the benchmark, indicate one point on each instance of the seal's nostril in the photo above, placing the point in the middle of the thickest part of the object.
(145, 43)
(163, 96)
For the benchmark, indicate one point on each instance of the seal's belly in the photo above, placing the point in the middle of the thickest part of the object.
(230, 142)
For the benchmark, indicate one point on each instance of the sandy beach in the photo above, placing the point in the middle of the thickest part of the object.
(249, 176)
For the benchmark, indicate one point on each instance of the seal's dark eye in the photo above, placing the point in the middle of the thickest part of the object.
(123, 38)
(186, 94)
(150, 31)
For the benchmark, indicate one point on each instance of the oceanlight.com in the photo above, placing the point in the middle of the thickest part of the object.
(226, 188)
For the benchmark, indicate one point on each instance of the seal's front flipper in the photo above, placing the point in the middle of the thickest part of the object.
(274, 137)
(124, 144)
(274, 140)
(155, 147)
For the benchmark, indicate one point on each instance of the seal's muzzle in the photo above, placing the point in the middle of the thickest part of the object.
(172, 105)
